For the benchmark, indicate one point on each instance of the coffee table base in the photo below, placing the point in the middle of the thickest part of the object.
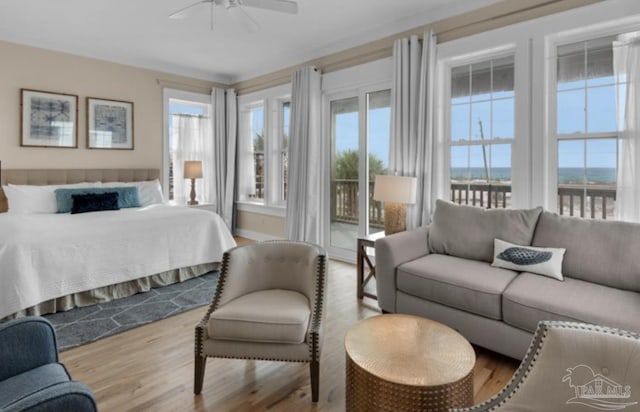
(366, 392)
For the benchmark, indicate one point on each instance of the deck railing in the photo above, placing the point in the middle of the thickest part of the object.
(595, 201)
(344, 203)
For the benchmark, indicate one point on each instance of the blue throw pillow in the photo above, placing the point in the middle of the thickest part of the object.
(127, 196)
(94, 202)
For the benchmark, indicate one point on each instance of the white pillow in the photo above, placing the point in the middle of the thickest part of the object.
(149, 191)
(27, 199)
(544, 261)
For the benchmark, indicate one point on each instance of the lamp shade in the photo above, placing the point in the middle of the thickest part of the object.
(396, 189)
(192, 169)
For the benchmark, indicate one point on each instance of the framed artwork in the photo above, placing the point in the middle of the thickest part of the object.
(109, 124)
(48, 119)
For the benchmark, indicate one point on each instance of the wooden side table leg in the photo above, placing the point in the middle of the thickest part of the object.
(360, 277)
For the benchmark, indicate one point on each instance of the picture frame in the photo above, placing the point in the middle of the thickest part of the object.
(109, 124)
(48, 119)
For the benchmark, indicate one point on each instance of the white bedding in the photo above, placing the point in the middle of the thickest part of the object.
(46, 256)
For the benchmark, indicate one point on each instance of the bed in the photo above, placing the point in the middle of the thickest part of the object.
(54, 262)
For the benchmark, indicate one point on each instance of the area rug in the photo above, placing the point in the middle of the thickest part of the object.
(87, 324)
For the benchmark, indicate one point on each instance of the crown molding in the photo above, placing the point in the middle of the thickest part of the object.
(486, 18)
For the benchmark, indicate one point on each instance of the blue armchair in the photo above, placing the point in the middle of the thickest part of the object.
(31, 379)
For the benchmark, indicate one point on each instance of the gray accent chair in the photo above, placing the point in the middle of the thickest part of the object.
(573, 366)
(31, 378)
(268, 306)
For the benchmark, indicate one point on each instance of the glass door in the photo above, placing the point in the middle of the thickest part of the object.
(345, 173)
(359, 142)
(378, 134)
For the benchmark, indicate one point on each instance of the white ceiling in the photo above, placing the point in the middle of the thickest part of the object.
(139, 32)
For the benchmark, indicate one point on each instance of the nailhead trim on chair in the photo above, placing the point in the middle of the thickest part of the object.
(224, 270)
(531, 357)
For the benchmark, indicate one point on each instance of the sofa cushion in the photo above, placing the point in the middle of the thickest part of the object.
(27, 383)
(469, 285)
(598, 251)
(468, 231)
(531, 298)
(271, 316)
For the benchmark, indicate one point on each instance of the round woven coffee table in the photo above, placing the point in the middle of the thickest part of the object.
(407, 363)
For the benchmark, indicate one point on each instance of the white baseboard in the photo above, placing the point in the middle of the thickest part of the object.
(257, 236)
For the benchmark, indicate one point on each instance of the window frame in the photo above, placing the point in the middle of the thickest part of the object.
(169, 94)
(520, 177)
(551, 44)
(272, 101)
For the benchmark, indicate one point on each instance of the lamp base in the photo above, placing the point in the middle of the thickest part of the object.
(193, 200)
(395, 218)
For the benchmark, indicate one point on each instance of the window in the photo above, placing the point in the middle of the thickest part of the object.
(258, 146)
(589, 97)
(263, 129)
(188, 133)
(285, 118)
(482, 132)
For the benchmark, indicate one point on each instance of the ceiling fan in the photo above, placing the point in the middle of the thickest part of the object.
(236, 8)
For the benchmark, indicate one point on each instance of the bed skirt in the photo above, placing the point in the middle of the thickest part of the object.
(111, 292)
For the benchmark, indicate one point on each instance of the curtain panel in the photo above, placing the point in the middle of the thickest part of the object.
(412, 146)
(626, 54)
(190, 137)
(224, 126)
(304, 186)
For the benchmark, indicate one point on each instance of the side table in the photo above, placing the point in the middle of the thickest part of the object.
(362, 259)
(204, 206)
(407, 363)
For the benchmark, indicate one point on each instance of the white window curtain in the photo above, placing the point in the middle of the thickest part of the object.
(192, 142)
(224, 125)
(303, 197)
(627, 65)
(412, 148)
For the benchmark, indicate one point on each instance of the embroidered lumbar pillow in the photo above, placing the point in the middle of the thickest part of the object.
(94, 202)
(544, 261)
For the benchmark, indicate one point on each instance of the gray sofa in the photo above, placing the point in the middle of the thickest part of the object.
(443, 272)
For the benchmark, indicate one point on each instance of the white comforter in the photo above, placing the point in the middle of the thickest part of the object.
(45, 256)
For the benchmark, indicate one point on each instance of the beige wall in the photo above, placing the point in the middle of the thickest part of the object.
(271, 226)
(33, 68)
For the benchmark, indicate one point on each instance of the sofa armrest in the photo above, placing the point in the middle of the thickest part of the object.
(64, 396)
(391, 252)
(25, 344)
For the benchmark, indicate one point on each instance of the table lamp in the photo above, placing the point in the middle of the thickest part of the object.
(396, 192)
(193, 171)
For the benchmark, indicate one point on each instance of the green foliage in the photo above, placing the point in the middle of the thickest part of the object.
(258, 142)
(346, 165)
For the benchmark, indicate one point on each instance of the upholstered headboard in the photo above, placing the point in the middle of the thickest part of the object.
(63, 176)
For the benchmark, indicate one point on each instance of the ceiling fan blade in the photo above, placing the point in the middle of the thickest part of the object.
(243, 18)
(284, 6)
(182, 13)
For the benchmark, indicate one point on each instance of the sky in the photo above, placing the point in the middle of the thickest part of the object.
(379, 128)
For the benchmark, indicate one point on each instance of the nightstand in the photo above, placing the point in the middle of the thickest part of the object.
(365, 243)
(205, 206)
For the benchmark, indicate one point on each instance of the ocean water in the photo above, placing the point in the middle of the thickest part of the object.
(566, 175)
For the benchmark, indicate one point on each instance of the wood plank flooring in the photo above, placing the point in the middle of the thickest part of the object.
(151, 368)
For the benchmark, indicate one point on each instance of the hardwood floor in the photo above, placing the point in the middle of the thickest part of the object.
(151, 367)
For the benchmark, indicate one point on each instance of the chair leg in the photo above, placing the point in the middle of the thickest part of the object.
(198, 378)
(314, 368)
